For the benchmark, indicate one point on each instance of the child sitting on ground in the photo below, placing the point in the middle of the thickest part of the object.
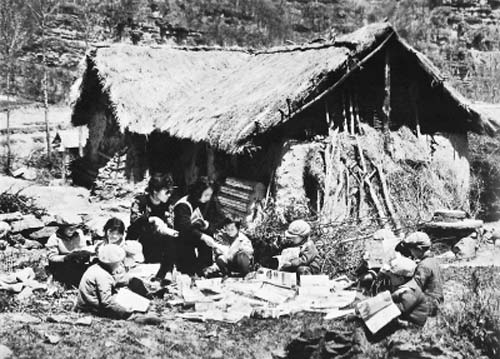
(68, 250)
(98, 287)
(114, 233)
(238, 257)
(427, 274)
(300, 254)
(406, 293)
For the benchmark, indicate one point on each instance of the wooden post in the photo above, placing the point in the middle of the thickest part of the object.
(352, 114)
(414, 93)
(8, 139)
(64, 161)
(80, 141)
(387, 87)
(211, 172)
(344, 112)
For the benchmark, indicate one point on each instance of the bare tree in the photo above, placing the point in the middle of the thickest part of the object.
(14, 33)
(42, 10)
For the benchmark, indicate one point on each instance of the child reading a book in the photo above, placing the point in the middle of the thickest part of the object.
(98, 288)
(427, 274)
(406, 293)
(299, 253)
(68, 250)
(238, 256)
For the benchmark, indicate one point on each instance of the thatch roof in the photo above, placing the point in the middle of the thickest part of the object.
(223, 96)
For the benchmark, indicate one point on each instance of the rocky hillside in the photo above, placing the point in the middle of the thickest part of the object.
(461, 36)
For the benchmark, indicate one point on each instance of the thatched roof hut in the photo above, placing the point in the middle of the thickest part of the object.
(227, 97)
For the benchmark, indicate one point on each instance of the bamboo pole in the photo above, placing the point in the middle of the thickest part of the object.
(387, 197)
(369, 185)
(352, 114)
(387, 86)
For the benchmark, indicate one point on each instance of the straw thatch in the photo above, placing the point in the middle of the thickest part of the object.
(227, 97)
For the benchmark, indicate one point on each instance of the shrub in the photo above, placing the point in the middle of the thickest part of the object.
(16, 202)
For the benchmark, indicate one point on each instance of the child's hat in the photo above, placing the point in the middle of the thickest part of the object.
(298, 228)
(420, 239)
(68, 219)
(400, 265)
(111, 254)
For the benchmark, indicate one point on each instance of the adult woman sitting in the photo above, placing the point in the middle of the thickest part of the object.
(148, 221)
(195, 241)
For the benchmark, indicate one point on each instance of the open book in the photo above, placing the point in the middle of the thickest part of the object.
(131, 301)
(287, 255)
(378, 311)
(197, 218)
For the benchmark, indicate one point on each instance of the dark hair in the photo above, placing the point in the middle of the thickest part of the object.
(196, 189)
(114, 224)
(159, 181)
(231, 219)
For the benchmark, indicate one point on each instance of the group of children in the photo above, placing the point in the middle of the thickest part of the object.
(99, 269)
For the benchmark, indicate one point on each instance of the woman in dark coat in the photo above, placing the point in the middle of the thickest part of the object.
(191, 219)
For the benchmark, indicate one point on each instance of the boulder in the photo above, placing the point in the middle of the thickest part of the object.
(44, 233)
(29, 222)
(5, 352)
(9, 217)
(448, 215)
(4, 229)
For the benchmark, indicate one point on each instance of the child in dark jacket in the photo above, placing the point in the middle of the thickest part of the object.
(297, 240)
(406, 293)
(427, 274)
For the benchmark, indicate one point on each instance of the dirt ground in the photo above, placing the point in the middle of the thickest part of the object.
(25, 328)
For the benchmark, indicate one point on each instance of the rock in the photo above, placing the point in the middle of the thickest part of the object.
(52, 338)
(24, 318)
(29, 222)
(44, 233)
(48, 219)
(85, 321)
(5, 352)
(9, 217)
(447, 215)
(217, 354)
(4, 229)
(31, 244)
(466, 248)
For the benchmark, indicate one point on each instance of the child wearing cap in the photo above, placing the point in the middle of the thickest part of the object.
(98, 287)
(298, 237)
(406, 293)
(427, 274)
(114, 231)
(238, 257)
(68, 250)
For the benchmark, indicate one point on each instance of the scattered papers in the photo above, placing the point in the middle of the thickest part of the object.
(132, 301)
(22, 282)
(284, 279)
(144, 270)
(340, 283)
(378, 311)
(274, 293)
(213, 285)
(314, 285)
(338, 313)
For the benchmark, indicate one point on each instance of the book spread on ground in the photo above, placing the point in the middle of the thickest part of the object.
(132, 301)
(378, 311)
